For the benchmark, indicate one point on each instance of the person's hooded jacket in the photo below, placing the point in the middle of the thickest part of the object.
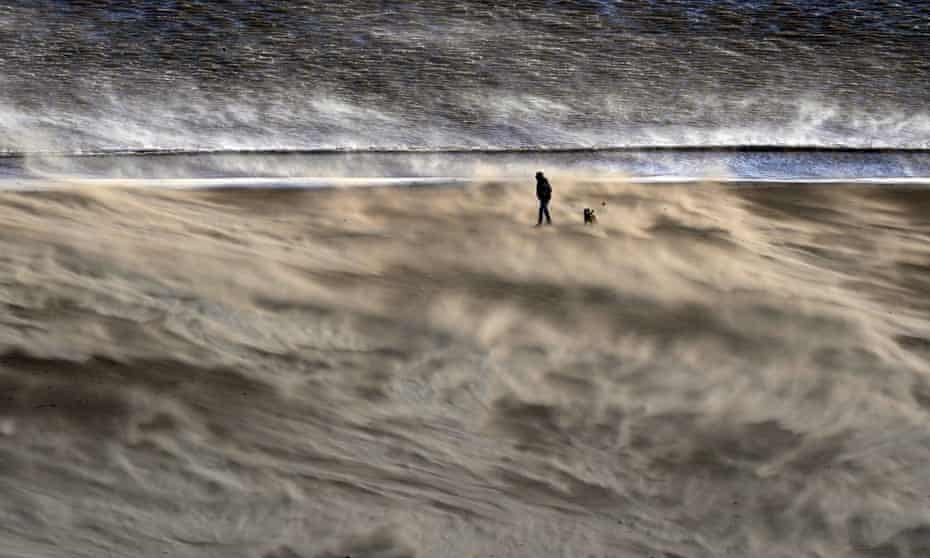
(543, 189)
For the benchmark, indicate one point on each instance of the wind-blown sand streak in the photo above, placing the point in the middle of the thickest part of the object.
(710, 371)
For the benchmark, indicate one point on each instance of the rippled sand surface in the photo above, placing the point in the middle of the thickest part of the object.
(398, 372)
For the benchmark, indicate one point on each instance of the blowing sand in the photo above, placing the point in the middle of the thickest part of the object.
(403, 372)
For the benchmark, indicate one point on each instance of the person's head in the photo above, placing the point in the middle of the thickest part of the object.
(539, 174)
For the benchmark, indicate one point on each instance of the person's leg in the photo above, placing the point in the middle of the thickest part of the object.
(542, 208)
(545, 208)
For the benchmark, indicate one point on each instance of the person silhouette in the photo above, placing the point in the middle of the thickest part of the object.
(544, 193)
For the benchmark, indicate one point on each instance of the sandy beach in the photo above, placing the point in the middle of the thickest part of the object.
(394, 372)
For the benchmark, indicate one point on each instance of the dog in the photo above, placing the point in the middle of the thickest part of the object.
(589, 217)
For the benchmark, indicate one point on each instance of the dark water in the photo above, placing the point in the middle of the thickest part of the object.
(296, 168)
(94, 75)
